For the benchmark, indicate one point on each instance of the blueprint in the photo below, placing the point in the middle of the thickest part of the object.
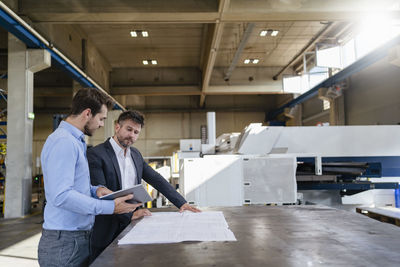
(174, 227)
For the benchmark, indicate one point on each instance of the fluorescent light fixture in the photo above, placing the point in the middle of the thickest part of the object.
(246, 61)
(274, 33)
(255, 61)
(145, 62)
(263, 33)
(154, 62)
(145, 34)
(133, 34)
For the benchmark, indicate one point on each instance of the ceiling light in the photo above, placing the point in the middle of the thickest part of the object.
(269, 32)
(133, 34)
(145, 34)
(255, 61)
(150, 61)
(246, 61)
(274, 33)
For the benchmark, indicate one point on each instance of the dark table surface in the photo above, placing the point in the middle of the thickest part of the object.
(274, 236)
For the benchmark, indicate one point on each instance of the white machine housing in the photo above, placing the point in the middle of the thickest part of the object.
(235, 180)
(331, 141)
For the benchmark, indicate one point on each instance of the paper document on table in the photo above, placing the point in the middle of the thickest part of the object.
(174, 227)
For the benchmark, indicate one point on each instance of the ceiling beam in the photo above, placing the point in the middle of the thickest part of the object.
(262, 16)
(273, 87)
(196, 17)
(123, 17)
(211, 52)
(156, 90)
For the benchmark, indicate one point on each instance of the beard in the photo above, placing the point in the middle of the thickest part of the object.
(87, 130)
(125, 142)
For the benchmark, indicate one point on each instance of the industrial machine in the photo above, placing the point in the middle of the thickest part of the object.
(219, 176)
(265, 165)
(346, 152)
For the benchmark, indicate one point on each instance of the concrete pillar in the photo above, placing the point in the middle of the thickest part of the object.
(22, 64)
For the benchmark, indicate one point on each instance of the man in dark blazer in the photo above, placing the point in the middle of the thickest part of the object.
(117, 165)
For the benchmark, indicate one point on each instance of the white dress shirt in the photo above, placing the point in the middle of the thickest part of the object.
(126, 165)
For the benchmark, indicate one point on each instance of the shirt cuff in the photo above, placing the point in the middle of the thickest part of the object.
(93, 190)
(106, 206)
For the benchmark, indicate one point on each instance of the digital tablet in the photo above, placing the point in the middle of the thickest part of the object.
(140, 194)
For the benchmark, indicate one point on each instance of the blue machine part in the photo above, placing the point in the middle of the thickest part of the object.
(277, 123)
(378, 166)
(347, 186)
(397, 197)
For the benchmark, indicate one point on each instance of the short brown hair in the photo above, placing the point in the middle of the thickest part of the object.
(132, 115)
(90, 98)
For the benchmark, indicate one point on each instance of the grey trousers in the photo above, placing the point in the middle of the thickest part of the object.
(64, 248)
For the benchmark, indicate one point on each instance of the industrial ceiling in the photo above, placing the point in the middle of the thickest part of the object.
(200, 48)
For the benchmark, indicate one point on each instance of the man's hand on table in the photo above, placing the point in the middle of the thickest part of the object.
(140, 213)
(186, 206)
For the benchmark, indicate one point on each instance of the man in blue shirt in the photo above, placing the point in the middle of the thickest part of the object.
(72, 202)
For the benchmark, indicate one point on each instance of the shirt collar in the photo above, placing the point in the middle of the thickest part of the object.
(117, 149)
(78, 134)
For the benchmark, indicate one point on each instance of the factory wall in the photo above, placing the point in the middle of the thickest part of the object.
(373, 96)
(162, 132)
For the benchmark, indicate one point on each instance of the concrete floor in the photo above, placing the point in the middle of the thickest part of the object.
(19, 240)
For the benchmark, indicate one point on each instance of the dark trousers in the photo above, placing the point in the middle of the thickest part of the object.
(95, 251)
(64, 248)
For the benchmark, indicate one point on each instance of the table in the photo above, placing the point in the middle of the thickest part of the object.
(274, 236)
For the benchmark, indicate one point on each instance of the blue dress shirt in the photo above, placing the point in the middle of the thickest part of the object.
(71, 200)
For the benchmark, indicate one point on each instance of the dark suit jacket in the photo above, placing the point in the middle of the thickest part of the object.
(104, 170)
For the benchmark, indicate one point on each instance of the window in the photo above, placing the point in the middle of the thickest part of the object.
(329, 57)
